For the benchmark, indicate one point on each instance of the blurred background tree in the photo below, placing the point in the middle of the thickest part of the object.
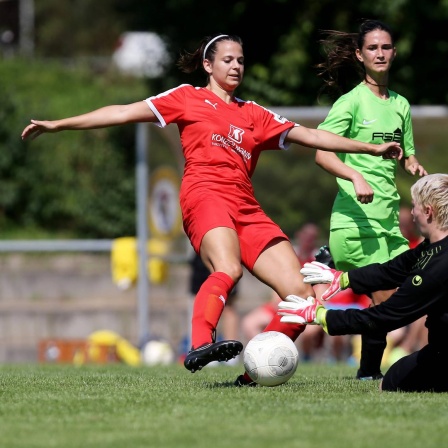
(82, 184)
(280, 38)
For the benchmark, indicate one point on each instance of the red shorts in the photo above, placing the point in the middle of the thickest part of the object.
(229, 207)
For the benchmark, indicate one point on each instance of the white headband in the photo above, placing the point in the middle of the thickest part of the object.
(213, 40)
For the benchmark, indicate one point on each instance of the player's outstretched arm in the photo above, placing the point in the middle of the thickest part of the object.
(327, 141)
(100, 118)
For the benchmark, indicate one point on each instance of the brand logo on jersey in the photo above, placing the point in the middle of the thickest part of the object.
(214, 105)
(417, 280)
(388, 136)
(236, 134)
(232, 141)
(368, 121)
(425, 257)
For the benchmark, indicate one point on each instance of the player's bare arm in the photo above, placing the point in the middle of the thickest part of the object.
(327, 141)
(100, 118)
(332, 164)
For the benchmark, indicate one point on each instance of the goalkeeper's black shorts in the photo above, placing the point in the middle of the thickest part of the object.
(423, 371)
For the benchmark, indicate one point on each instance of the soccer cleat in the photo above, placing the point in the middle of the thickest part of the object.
(241, 381)
(324, 256)
(198, 358)
(361, 376)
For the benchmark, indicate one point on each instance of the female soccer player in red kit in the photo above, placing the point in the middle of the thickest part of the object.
(222, 138)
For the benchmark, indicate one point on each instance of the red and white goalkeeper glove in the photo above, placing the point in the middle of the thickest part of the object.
(296, 310)
(316, 273)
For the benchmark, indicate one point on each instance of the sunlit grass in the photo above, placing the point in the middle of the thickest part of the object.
(120, 406)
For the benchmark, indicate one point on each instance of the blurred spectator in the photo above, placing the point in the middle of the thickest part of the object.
(306, 242)
(256, 320)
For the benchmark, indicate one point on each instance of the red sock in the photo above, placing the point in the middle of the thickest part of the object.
(291, 330)
(208, 306)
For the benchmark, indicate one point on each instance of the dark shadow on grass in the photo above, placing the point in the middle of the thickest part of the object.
(220, 385)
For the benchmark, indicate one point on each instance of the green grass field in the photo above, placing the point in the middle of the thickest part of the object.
(120, 406)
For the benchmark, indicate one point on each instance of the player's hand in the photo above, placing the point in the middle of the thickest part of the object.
(415, 168)
(391, 150)
(363, 190)
(37, 128)
(296, 310)
(316, 273)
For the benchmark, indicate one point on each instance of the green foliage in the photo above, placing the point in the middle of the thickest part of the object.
(120, 406)
(281, 54)
(80, 29)
(74, 183)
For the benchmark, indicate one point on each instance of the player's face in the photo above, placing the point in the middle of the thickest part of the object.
(419, 214)
(377, 53)
(227, 69)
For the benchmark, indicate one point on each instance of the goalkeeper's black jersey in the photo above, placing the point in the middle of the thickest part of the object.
(421, 276)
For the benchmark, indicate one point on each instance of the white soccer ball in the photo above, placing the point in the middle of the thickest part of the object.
(157, 353)
(270, 358)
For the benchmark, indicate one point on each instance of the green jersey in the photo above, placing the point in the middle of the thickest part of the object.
(361, 115)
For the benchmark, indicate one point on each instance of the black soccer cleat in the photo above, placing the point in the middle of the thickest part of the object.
(368, 377)
(242, 382)
(323, 256)
(198, 358)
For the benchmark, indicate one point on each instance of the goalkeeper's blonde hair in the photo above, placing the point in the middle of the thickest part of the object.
(432, 190)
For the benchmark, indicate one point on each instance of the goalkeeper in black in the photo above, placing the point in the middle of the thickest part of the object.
(420, 277)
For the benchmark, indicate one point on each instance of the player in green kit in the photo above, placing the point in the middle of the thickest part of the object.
(364, 226)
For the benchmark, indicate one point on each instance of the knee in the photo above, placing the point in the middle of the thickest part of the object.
(233, 270)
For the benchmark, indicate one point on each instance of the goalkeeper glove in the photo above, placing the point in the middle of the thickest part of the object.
(297, 310)
(316, 272)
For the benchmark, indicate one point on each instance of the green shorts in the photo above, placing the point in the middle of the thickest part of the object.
(355, 247)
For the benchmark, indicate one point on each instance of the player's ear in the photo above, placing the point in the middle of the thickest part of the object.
(207, 66)
(395, 53)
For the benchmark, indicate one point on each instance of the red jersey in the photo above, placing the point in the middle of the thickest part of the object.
(221, 142)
